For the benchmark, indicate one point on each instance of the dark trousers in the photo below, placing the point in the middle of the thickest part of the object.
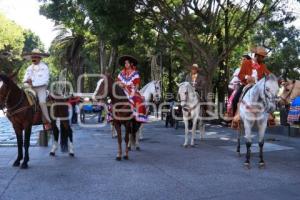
(74, 115)
(236, 99)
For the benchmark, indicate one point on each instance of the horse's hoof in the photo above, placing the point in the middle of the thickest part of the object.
(125, 157)
(24, 166)
(261, 165)
(138, 148)
(192, 145)
(118, 158)
(185, 145)
(16, 163)
(52, 153)
(71, 154)
(247, 165)
(129, 148)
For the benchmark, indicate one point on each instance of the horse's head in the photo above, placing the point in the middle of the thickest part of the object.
(4, 88)
(291, 89)
(102, 90)
(156, 91)
(184, 93)
(270, 91)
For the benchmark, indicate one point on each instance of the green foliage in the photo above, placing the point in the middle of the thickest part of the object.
(11, 36)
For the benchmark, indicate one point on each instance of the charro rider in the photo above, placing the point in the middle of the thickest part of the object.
(129, 79)
(37, 77)
(252, 70)
(197, 80)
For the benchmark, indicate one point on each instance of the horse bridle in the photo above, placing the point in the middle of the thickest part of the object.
(186, 107)
(9, 110)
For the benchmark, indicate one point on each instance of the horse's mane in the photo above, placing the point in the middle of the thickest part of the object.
(10, 83)
(119, 90)
(146, 87)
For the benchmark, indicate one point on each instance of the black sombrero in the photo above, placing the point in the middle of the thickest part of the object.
(131, 59)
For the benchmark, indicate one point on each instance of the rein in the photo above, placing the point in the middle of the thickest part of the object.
(11, 110)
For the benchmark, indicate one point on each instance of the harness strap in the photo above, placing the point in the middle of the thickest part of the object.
(18, 110)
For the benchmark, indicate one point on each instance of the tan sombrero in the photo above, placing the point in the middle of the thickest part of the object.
(259, 51)
(35, 52)
(195, 66)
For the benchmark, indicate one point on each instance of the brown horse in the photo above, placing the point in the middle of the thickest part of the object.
(21, 114)
(122, 113)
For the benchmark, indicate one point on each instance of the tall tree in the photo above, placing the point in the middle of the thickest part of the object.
(210, 28)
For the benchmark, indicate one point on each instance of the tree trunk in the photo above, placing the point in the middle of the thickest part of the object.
(112, 58)
(102, 56)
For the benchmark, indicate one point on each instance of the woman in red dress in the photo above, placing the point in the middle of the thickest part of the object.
(129, 79)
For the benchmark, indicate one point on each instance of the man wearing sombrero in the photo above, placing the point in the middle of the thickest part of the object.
(129, 79)
(196, 80)
(252, 70)
(37, 77)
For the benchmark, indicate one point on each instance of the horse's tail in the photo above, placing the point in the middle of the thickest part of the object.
(64, 134)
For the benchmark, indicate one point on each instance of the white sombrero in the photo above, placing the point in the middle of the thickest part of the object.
(35, 52)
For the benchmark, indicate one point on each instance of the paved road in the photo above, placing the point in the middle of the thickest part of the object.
(161, 170)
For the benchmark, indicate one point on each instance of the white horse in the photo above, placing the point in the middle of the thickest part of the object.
(191, 109)
(152, 93)
(255, 106)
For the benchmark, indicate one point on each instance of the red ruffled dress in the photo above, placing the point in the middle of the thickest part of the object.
(131, 81)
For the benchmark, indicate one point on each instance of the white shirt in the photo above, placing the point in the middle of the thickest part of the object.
(235, 80)
(39, 74)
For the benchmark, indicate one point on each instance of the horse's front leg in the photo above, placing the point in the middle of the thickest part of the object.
(193, 131)
(55, 138)
(140, 132)
(262, 125)
(240, 133)
(19, 136)
(119, 133)
(247, 127)
(128, 130)
(26, 145)
(186, 131)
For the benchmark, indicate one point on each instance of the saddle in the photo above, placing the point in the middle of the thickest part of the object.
(34, 102)
(235, 124)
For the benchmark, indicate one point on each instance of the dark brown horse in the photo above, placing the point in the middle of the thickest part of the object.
(22, 116)
(122, 113)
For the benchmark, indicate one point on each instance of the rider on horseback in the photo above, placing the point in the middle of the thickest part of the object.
(129, 79)
(37, 77)
(197, 80)
(252, 70)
